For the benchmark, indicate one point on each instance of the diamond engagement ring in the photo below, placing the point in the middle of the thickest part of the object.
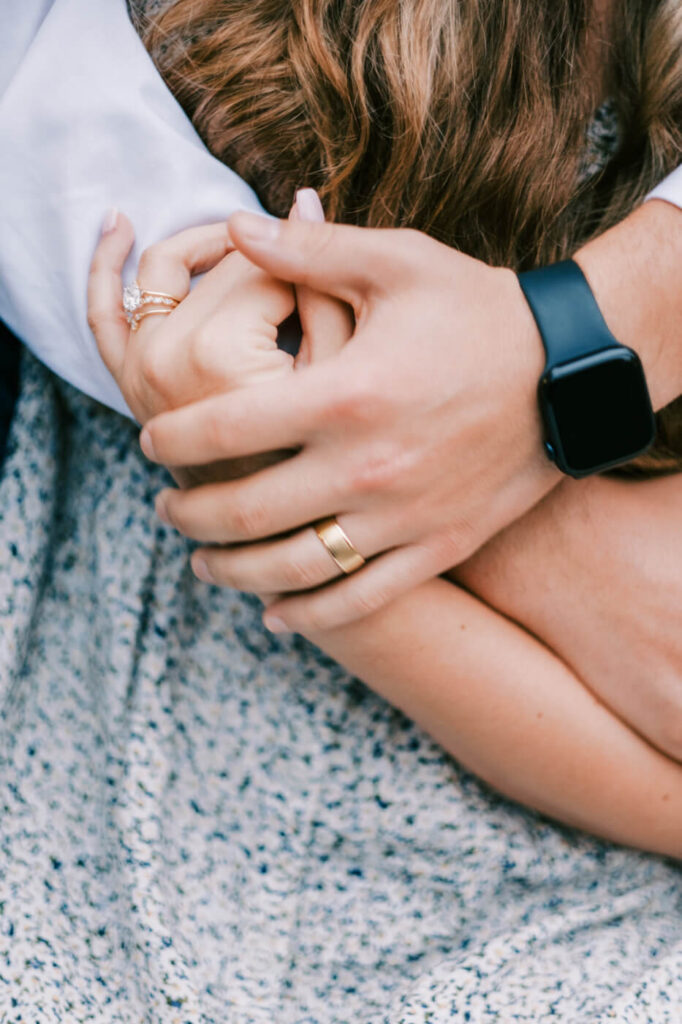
(139, 303)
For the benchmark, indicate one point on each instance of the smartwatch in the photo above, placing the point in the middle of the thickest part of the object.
(593, 394)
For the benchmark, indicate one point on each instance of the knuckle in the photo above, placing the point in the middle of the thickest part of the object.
(380, 470)
(150, 258)
(321, 616)
(100, 317)
(219, 431)
(100, 263)
(314, 618)
(366, 602)
(154, 367)
(410, 239)
(249, 519)
(375, 475)
(358, 403)
(410, 251)
(202, 352)
(297, 574)
(411, 244)
(94, 319)
(454, 545)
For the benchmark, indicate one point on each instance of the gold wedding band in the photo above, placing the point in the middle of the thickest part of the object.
(135, 319)
(148, 296)
(337, 543)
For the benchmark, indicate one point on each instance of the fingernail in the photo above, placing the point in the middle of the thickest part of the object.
(309, 205)
(254, 228)
(162, 508)
(110, 221)
(201, 570)
(146, 445)
(275, 625)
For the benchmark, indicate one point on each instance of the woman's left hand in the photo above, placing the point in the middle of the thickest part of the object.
(221, 337)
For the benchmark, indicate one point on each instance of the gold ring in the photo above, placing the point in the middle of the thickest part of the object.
(135, 299)
(336, 541)
(134, 318)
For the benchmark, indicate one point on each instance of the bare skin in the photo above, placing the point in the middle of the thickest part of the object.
(595, 572)
(553, 719)
(410, 429)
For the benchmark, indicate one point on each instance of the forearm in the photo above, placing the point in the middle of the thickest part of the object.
(634, 271)
(511, 711)
(595, 572)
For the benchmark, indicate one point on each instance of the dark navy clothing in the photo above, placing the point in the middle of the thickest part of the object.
(9, 383)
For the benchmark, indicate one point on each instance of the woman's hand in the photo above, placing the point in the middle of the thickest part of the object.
(422, 436)
(221, 337)
(595, 572)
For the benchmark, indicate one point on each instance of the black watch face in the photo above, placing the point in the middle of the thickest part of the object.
(597, 411)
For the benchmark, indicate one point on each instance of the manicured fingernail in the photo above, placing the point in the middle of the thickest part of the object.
(110, 221)
(275, 625)
(257, 229)
(162, 508)
(201, 569)
(309, 205)
(146, 445)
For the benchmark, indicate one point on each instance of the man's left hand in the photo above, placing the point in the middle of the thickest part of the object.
(422, 436)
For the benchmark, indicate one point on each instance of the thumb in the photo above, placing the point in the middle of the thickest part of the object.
(105, 289)
(327, 323)
(347, 262)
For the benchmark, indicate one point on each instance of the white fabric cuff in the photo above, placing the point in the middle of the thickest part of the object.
(87, 123)
(670, 189)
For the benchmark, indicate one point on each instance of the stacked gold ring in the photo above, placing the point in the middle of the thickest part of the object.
(339, 546)
(141, 302)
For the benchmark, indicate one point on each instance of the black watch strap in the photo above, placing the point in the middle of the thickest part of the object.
(566, 312)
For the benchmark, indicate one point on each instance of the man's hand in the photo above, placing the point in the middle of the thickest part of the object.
(422, 435)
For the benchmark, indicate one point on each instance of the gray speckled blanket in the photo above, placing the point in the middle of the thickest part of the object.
(202, 823)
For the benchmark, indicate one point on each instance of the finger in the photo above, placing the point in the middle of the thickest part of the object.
(327, 323)
(255, 507)
(168, 266)
(295, 563)
(355, 597)
(347, 262)
(249, 421)
(105, 311)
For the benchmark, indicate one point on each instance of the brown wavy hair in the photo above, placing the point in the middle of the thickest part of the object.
(465, 119)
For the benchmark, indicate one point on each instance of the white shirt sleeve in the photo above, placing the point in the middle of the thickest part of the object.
(87, 123)
(670, 189)
(19, 24)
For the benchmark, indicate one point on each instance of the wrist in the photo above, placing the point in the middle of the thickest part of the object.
(593, 393)
(634, 272)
